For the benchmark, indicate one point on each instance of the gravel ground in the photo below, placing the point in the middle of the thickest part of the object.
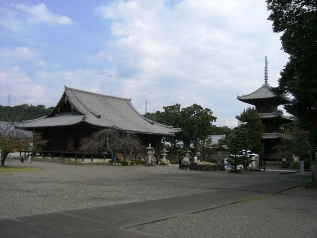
(65, 186)
(289, 214)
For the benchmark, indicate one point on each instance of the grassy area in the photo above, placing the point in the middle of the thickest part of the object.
(5, 170)
(255, 198)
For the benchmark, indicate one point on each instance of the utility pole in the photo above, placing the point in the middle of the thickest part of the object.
(145, 106)
(9, 100)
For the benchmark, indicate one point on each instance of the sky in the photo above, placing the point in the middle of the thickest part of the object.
(156, 52)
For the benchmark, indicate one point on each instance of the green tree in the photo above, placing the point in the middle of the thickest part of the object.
(297, 21)
(221, 130)
(195, 122)
(254, 127)
(151, 116)
(247, 136)
(23, 112)
(37, 143)
(294, 141)
(234, 146)
(113, 141)
(12, 139)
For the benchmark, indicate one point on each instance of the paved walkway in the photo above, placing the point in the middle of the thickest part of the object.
(153, 202)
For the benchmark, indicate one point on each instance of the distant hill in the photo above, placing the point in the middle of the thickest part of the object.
(23, 112)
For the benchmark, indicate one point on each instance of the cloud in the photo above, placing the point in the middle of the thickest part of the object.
(163, 51)
(19, 15)
(21, 88)
(46, 87)
(204, 52)
(21, 52)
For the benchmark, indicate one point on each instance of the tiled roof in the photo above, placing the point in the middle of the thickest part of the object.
(275, 135)
(271, 135)
(8, 129)
(263, 92)
(275, 115)
(101, 111)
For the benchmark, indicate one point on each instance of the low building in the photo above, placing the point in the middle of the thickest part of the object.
(79, 113)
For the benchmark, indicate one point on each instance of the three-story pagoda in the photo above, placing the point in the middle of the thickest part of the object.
(266, 103)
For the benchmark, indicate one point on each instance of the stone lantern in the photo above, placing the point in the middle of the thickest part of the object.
(187, 154)
(164, 154)
(198, 154)
(149, 154)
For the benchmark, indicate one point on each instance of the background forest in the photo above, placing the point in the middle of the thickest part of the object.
(23, 112)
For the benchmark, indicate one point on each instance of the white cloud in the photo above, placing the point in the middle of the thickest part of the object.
(9, 20)
(46, 87)
(20, 15)
(22, 53)
(21, 88)
(39, 14)
(19, 53)
(204, 52)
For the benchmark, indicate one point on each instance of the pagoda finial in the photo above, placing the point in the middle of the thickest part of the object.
(265, 72)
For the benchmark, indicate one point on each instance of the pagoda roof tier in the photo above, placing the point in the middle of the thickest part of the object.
(277, 116)
(263, 95)
(99, 111)
(276, 135)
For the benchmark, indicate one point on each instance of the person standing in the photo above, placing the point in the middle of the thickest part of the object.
(22, 158)
(180, 160)
(29, 158)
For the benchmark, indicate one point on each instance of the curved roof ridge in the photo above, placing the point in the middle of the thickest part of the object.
(82, 103)
(115, 112)
(98, 94)
(33, 120)
(264, 89)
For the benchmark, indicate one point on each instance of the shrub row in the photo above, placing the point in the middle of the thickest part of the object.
(131, 163)
(296, 165)
(202, 167)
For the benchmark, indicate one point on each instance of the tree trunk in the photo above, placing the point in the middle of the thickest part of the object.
(125, 153)
(313, 168)
(5, 154)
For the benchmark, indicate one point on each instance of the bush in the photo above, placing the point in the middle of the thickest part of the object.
(132, 163)
(285, 164)
(221, 167)
(296, 165)
(234, 171)
(124, 163)
(180, 152)
(194, 166)
(174, 161)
